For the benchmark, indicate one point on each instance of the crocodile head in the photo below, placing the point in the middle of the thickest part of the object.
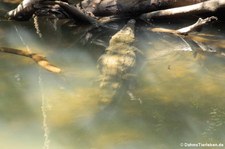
(125, 35)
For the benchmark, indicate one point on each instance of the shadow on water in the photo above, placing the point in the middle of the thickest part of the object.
(182, 95)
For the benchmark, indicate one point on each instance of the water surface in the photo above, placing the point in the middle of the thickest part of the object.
(182, 95)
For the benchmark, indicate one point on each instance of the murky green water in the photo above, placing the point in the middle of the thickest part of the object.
(182, 96)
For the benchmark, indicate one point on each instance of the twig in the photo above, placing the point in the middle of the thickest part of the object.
(39, 59)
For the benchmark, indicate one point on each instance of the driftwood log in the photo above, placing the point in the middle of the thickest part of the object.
(91, 11)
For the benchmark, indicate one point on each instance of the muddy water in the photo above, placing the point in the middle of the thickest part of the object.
(181, 93)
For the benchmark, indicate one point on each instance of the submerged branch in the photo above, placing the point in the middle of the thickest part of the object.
(39, 59)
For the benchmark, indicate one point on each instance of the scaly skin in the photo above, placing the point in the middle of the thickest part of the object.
(117, 63)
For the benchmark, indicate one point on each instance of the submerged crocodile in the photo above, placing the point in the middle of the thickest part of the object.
(116, 66)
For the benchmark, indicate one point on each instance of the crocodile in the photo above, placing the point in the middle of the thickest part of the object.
(117, 64)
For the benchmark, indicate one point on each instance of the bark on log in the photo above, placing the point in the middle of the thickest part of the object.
(39, 59)
(208, 6)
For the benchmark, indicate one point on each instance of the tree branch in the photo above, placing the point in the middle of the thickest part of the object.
(39, 59)
(197, 41)
(195, 26)
(207, 6)
(188, 29)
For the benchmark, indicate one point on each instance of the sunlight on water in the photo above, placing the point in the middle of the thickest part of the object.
(44, 102)
(182, 95)
(22, 40)
(44, 108)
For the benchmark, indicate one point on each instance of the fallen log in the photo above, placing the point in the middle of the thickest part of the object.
(129, 7)
(87, 10)
(39, 59)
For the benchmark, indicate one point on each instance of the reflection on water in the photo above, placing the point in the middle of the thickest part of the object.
(182, 96)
